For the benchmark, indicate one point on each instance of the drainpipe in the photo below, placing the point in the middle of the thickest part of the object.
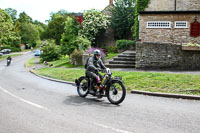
(175, 5)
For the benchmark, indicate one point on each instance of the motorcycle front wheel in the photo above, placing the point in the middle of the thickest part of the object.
(116, 92)
(82, 89)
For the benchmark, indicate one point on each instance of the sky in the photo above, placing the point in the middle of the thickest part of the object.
(40, 9)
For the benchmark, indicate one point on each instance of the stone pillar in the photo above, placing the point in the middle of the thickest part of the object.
(84, 58)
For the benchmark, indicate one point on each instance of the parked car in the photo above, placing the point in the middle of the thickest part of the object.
(1, 54)
(5, 51)
(37, 52)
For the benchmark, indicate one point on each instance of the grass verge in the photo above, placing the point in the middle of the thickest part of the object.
(30, 62)
(146, 81)
(111, 55)
(6, 56)
(63, 62)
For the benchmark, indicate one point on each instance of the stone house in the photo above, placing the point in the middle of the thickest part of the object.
(169, 21)
(164, 27)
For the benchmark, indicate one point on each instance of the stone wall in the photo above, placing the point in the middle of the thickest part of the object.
(172, 35)
(160, 5)
(106, 39)
(187, 5)
(165, 56)
(169, 5)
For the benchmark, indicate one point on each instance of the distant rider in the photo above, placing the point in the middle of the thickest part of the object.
(9, 58)
(94, 65)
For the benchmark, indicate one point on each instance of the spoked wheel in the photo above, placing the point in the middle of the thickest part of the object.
(82, 89)
(116, 92)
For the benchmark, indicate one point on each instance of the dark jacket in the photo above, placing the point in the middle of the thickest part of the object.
(94, 64)
(9, 58)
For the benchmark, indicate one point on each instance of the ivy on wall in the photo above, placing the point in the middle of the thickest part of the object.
(140, 6)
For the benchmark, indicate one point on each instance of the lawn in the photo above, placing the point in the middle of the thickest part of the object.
(111, 55)
(6, 56)
(30, 62)
(63, 62)
(146, 81)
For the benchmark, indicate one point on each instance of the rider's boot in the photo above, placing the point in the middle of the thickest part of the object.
(91, 90)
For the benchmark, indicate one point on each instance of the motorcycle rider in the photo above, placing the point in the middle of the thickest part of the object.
(9, 59)
(94, 64)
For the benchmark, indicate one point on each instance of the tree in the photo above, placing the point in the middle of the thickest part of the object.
(56, 25)
(93, 24)
(24, 18)
(12, 13)
(6, 25)
(56, 28)
(72, 28)
(50, 51)
(123, 18)
(7, 35)
(41, 28)
(29, 34)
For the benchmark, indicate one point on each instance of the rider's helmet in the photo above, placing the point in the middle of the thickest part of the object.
(97, 53)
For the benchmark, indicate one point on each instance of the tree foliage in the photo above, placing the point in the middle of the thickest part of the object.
(94, 23)
(41, 28)
(50, 51)
(123, 18)
(70, 39)
(29, 34)
(56, 25)
(7, 35)
(12, 13)
(140, 6)
(24, 18)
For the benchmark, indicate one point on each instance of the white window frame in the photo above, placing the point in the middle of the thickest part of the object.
(176, 26)
(159, 24)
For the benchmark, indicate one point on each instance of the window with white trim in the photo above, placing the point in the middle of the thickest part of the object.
(181, 24)
(158, 24)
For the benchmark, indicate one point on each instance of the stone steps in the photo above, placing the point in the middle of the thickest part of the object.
(123, 60)
(125, 55)
(120, 66)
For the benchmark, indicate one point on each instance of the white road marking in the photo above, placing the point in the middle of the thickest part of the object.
(23, 100)
(111, 128)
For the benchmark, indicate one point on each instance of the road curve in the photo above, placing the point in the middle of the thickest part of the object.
(30, 104)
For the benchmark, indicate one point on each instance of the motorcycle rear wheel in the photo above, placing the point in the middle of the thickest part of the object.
(116, 92)
(82, 89)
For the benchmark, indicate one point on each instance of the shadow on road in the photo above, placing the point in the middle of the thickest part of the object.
(79, 101)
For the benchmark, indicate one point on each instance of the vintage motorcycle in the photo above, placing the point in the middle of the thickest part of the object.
(8, 62)
(110, 87)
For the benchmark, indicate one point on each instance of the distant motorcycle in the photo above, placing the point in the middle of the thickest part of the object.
(8, 62)
(110, 87)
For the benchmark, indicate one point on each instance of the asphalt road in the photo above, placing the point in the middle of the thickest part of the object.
(29, 104)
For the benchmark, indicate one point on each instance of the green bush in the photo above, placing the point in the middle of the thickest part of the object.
(82, 43)
(111, 49)
(50, 51)
(125, 44)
